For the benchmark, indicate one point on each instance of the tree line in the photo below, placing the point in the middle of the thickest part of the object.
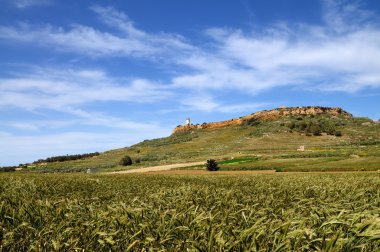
(66, 158)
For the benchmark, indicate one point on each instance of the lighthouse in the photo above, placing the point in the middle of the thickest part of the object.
(187, 122)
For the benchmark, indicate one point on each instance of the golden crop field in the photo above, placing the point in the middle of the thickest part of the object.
(261, 212)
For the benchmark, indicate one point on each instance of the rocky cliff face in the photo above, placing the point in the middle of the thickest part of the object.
(269, 115)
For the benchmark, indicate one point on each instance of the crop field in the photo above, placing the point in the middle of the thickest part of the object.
(147, 212)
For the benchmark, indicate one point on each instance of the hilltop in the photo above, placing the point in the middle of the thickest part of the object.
(286, 139)
(270, 115)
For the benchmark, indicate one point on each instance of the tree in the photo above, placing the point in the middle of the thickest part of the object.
(315, 129)
(125, 161)
(328, 126)
(212, 165)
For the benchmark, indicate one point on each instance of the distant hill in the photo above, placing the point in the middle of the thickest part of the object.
(308, 138)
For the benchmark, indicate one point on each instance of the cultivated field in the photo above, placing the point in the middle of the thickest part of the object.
(137, 212)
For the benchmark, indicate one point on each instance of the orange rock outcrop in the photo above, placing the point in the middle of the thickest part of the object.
(269, 115)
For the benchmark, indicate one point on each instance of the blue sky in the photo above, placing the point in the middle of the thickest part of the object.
(84, 76)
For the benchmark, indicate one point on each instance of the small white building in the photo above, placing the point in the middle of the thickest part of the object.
(301, 148)
(187, 122)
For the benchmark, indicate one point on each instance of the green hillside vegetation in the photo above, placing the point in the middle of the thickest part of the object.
(331, 143)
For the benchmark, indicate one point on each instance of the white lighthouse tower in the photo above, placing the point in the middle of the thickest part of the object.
(187, 122)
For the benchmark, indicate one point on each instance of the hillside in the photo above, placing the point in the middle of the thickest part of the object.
(285, 139)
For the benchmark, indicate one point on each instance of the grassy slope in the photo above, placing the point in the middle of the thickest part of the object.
(357, 149)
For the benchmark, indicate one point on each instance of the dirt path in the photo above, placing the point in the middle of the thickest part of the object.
(168, 169)
(196, 172)
(159, 168)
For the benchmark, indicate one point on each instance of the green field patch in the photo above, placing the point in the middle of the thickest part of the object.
(238, 160)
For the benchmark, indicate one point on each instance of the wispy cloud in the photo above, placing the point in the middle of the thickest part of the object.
(119, 20)
(128, 41)
(82, 118)
(343, 15)
(36, 125)
(79, 39)
(158, 42)
(22, 4)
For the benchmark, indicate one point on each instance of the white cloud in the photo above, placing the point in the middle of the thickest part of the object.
(79, 39)
(90, 41)
(83, 118)
(344, 51)
(326, 57)
(69, 89)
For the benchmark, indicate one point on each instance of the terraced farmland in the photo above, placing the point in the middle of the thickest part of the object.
(267, 212)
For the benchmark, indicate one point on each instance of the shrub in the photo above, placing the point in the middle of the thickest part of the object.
(212, 165)
(151, 157)
(137, 160)
(302, 126)
(125, 161)
(292, 125)
(338, 133)
(252, 122)
(257, 133)
(316, 130)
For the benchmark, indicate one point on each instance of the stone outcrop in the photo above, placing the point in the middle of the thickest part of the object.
(269, 115)
(274, 114)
